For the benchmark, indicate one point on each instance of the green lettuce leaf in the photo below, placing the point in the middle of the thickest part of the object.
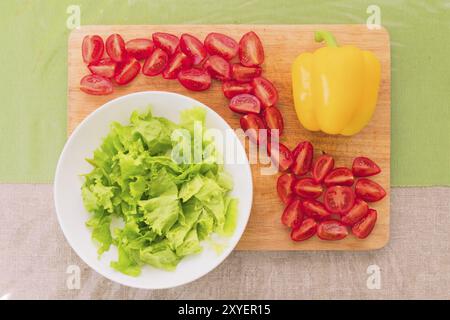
(179, 231)
(205, 225)
(100, 224)
(230, 217)
(160, 255)
(190, 245)
(167, 207)
(161, 213)
(190, 188)
(128, 263)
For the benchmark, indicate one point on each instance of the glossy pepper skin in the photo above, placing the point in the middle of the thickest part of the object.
(335, 88)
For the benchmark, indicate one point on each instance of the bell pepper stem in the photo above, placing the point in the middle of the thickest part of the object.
(326, 36)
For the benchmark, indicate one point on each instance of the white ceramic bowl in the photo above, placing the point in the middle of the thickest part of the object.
(72, 214)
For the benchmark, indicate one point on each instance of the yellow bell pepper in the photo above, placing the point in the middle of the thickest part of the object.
(335, 88)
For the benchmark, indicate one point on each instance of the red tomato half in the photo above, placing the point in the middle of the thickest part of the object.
(339, 199)
(140, 48)
(222, 45)
(127, 71)
(178, 62)
(245, 103)
(192, 47)
(305, 230)
(245, 74)
(303, 156)
(365, 226)
(356, 213)
(332, 230)
(281, 156)
(315, 209)
(265, 91)
(105, 68)
(92, 49)
(195, 79)
(307, 188)
(364, 167)
(292, 214)
(284, 187)
(233, 88)
(274, 120)
(251, 51)
(323, 165)
(369, 190)
(156, 63)
(115, 48)
(339, 177)
(166, 41)
(96, 85)
(218, 68)
(252, 124)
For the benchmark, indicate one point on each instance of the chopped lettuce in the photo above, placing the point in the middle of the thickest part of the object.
(167, 206)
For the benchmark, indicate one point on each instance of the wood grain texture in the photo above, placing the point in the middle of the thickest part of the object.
(282, 43)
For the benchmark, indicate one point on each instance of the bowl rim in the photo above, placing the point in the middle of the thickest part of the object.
(58, 170)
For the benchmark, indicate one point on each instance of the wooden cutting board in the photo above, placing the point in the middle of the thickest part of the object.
(282, 43)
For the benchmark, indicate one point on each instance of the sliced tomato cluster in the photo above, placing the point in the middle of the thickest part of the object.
(250, 94)
(193, 62)
(324, 200)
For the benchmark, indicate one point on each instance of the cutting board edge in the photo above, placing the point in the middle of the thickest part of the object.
(382, 241)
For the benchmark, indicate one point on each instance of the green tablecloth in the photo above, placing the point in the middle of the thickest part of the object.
(34, 70)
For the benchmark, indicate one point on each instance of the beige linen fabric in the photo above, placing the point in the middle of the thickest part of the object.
(34, 257)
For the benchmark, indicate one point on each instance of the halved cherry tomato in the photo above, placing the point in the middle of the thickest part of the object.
(339, 177)
(96, 85)
(356, 213)
(365, 226)
(192, 47)
(323, 165)
(281, 156)
(195, 79)
(115, 48)
(166, 41)
(252, 124)
(369, 190)
(140, 48)
(332, 230)
(222, 45)
(292, 214)
(274, 120)
(251, 51)
(178, 62)
(305, 230)
(245, 74)
(92, 49)
(127, 71)
(339, 199)
(364, 167)
(307, 188)
(218, 68)
(105, 68)
(265, 91)
(245, 103)
(315, 209)
(284, 187)
(233, 88)
(303, 156)
(156, 63)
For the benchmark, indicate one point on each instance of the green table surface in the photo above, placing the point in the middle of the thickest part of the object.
(33, 76)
